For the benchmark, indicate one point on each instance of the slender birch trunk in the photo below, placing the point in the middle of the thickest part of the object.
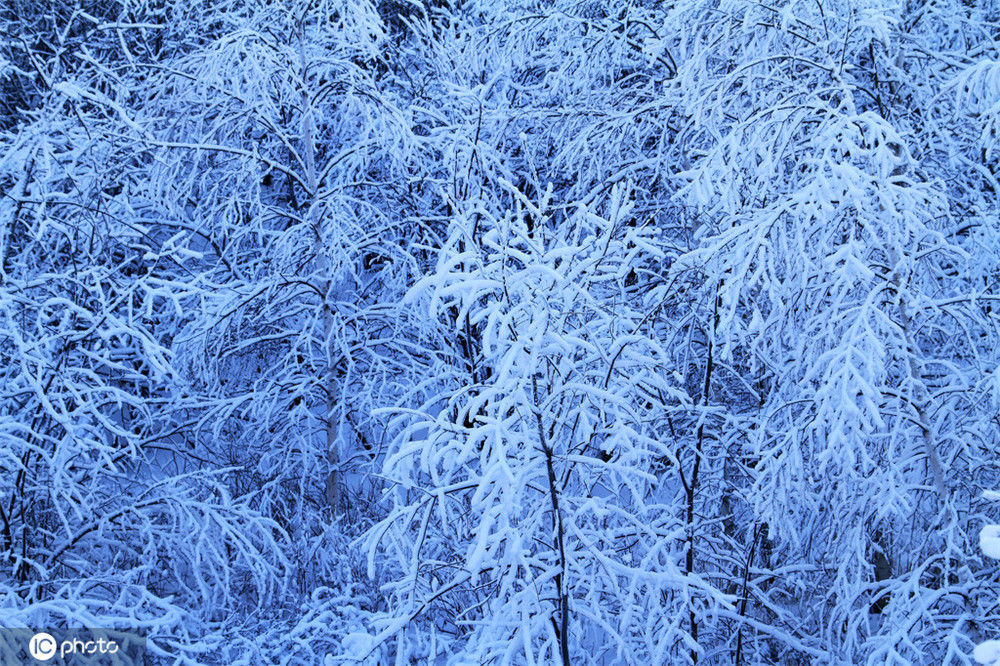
(326, 282)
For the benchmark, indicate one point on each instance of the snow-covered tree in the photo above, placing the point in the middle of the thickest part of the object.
(848, 280)
(529, 515)
(98, 525)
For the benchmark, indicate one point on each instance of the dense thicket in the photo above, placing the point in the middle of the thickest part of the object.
(335, 331)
